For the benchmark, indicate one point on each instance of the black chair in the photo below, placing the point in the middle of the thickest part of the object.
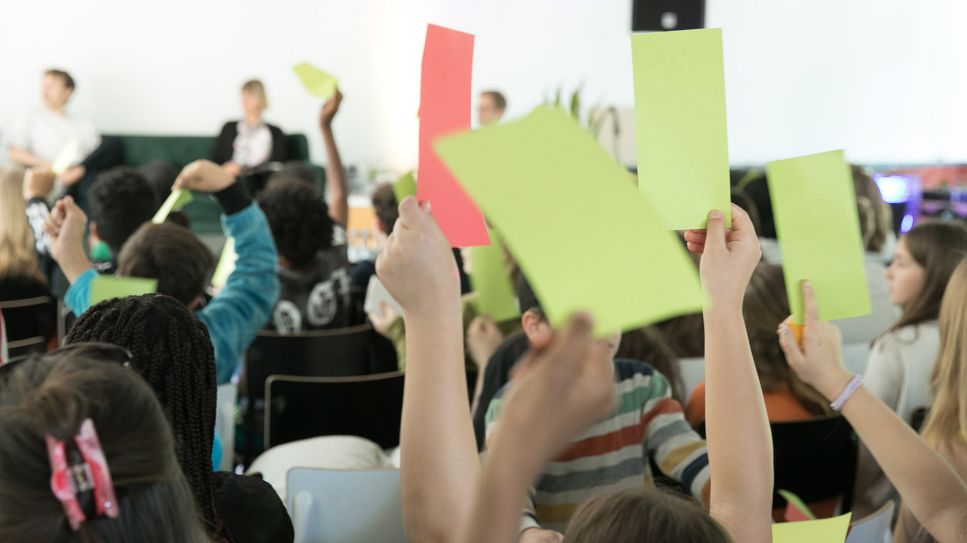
(344, 352)
(814, 459)
(302, 407)
(30, 323)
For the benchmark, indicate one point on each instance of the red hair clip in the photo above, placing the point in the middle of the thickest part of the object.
(67, 481)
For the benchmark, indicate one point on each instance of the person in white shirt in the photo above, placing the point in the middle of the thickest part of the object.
(244, 145)
(47, 137)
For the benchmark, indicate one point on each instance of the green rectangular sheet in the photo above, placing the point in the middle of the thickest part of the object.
(318, 82)
(226, 264)
(683, 155)
(405, 186)
(574, 221)
(176, 200)
(490, 279)
(827, 530)
(105, 287)
(814, 208)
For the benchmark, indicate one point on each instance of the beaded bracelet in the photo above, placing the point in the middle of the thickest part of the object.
(851, 387)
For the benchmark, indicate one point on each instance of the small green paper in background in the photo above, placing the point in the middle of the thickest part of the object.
(316, 81)
(106, 287)
(796, 502)
(827, 530)
(226, 264)
(405, 186)
(176, 200)
(583, 236)
(683, 155)
(814, 207)
(491, 281)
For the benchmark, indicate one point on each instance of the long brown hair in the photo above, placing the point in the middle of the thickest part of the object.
(53, 395)
(876, 217)
(17, 255)
(947, 423)
(764, 307)
(642, 514)
(939, 247)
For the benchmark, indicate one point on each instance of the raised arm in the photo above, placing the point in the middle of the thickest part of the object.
(929, 486)
(737, 428)
(438, 450)
(336, 190)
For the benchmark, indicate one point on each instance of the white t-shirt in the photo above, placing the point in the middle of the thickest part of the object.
(900, 366)
(253, 144)
(46, 134)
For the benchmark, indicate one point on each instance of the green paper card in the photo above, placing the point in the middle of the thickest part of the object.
(226, 264)
(176, 200)
(581, 233)
(796, 502)
(683, 155)
(491, 281)
(827, 530)
(106, 287)
(405, 186)
(819, 234)
(316, 81)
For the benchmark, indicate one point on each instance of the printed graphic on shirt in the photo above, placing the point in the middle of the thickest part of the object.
(287, 318)
(323, 304)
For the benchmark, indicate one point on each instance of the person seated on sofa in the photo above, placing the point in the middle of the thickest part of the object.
(41, 136)
(244, 145)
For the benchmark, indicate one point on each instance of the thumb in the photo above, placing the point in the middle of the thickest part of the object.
(410, 213)
(715, 231)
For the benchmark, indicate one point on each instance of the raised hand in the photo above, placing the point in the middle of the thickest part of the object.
(65, 226)
(204, 176)
(729, 256)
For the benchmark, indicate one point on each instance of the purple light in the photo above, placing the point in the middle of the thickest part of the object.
(907, 223)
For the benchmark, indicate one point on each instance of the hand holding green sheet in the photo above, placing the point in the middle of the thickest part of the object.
(814, 206)
(178, 199)
(583, 236)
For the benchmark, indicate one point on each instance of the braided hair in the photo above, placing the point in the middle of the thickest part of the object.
(174, 354)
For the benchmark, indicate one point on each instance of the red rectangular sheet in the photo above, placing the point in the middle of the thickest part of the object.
(445, 109)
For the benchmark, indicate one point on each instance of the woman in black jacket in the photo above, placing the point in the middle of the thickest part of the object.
(243, 146)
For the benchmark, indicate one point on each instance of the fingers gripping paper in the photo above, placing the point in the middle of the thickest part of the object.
(683, 156)
(819, 234)
(445, 109)
(582, 235)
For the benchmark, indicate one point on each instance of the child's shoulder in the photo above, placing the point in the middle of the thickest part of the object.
(905, 336)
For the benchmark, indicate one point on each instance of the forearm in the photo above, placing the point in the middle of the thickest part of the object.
(438, 449)
(737, 427)
(25, 157)
(501, 492)
(930, 488)
(335, 180)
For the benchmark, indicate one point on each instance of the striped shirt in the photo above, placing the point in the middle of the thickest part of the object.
(616, 452)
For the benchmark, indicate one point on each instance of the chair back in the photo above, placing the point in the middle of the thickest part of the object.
(303, 407)
(814, 459)
(344, 506)
(30, 323)
(873, 528)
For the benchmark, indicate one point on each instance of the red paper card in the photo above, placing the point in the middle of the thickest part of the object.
(445, 109)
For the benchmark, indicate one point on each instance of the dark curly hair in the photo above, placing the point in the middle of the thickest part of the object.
(174, 354)
(299, 219)
(120, 200)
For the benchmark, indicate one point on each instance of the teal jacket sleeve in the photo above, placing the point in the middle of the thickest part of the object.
(244, 306)
(78, 296)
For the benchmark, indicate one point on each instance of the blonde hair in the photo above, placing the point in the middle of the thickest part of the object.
(947, 422)
(257, 89)
(17, 256)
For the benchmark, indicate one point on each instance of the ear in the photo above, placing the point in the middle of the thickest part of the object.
(534, 327)
(92, 237)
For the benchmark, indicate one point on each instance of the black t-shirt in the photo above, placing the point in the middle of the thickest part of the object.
(496, 375)
(317, 298)
(251, 509)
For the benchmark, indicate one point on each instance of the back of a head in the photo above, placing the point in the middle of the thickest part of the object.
(121, 200)
(764, 307)
(643, 515)
(947, 422)
(17, 256)
(160, 176)
(876, 217)
(173, 353)
(386, 207)
(939, 247)
(172, 255)
(299, 220)
(53, 395)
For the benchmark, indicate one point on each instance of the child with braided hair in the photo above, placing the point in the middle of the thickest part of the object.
(173, 353)
(104, 425)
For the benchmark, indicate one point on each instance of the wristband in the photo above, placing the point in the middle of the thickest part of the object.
(851, 387)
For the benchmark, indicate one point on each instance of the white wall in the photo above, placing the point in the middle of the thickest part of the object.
(882, 78)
